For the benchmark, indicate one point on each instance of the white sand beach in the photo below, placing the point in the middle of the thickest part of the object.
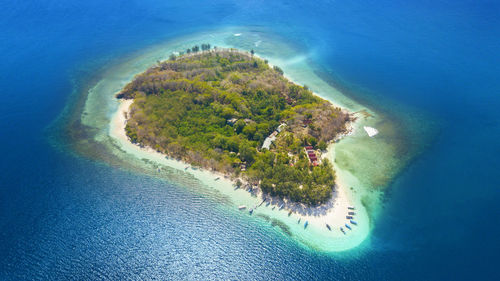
(316, 234)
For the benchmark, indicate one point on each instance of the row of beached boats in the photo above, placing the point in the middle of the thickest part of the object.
(350, 217)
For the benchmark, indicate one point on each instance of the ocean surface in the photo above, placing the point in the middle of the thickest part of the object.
(431, 66)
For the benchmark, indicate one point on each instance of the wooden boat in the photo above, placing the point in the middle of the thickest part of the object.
(353, 222)
(348, 227)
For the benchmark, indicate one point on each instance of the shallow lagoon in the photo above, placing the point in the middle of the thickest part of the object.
(365, 166)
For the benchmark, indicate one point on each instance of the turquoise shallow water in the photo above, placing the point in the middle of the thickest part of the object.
(64, 216)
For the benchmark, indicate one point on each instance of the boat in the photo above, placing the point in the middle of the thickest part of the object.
(306, 224)
(329, 228)
(353, 222)
(351, 213)
(348, 217)
(281, 206)
(242, 207)
(350, 208)
(341, 229)
(290, 213)
(348, 227)
(158, 170)
(370, 131)
(250, 211)
(217, 178)
(268, 203)
(185, 168)
(299, 220)
(273, 207)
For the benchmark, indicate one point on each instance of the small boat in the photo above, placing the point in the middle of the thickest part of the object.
(299, 220)
(351, 213)
(185, 168)
(329, 228)
(159, 170)
(353, 222)
(350, 208)
(290, 213)
(217, 178)
(250, 211)
(242, 207)
(268, 203)
(282, 206)
(348, 217)
(341, 229)
(306, 224)
(274, 207)
(348, 227)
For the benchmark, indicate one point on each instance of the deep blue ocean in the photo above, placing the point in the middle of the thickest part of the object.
(68, 217)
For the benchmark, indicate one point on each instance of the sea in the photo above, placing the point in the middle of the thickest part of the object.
(70, 211)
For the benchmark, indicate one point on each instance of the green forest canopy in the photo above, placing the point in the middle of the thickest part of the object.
(214, 108)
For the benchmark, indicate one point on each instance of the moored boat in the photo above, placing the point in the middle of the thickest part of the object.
(306, 224)
(351, 213)
(353, 222)
(348, 217)
(341, 229)
(250, 211)
(329, 228)
(348, 227)
(242, 207)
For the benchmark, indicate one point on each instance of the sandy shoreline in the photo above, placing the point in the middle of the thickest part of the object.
(332, 213)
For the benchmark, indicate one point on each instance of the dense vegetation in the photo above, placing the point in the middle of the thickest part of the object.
(215, 108)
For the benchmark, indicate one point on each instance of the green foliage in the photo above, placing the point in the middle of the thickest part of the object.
(278, 69)
(215, 109)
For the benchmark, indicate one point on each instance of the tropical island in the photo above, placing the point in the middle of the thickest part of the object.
(231, 112)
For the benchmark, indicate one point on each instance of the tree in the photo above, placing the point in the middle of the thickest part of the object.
(322, 145)
(247, 152)
(278, 69)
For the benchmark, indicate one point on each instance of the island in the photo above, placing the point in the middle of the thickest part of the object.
(230, 112)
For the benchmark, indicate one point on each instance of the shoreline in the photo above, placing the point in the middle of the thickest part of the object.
(362, 164)
(333, 212)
